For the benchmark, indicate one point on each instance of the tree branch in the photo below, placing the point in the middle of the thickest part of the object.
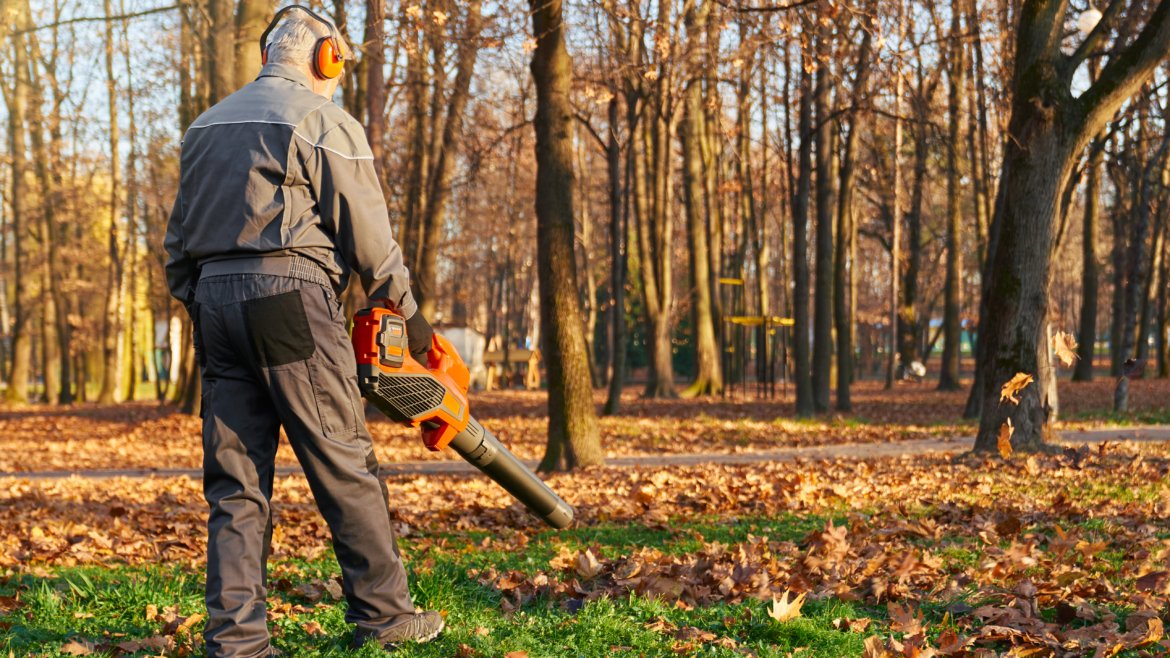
(95, 19)
(765, 8)
(1091, 42)
(1124, 74)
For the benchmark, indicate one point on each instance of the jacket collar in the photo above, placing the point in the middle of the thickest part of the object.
(286, 71)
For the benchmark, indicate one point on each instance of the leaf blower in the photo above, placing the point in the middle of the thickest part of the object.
(435, 398)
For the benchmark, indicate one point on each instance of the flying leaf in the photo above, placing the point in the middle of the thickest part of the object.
(783, 608)
(1011, 389)
(1004, 440)
(1065, 347)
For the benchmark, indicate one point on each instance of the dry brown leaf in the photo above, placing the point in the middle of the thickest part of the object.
(1004, 440)
(875, 647)
(783, 608)
(1013, 386)
(78, 647)
(587, 565)
(333, 589)
(904, 620)
(1065, 347)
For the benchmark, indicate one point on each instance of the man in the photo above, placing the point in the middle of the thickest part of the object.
(278, 203)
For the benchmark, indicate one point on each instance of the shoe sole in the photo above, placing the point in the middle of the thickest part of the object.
(417, 640)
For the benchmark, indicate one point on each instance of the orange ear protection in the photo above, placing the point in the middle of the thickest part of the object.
(329, 55)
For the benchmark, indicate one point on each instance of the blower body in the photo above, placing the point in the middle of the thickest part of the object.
(434, 397)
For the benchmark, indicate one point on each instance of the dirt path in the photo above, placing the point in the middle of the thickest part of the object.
(1150, 433)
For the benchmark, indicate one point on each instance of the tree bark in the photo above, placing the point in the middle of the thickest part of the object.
(953, 292)
(111, 326)
(709, 378)
(375, 97)
(252, 17)
(573, 437)
(845, 266)
(822, 360)
(22, 327)
(221, 44)
(618, 220)
(1090, 270)
(800, 271)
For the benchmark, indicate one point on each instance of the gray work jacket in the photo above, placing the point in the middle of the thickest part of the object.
(277, 170)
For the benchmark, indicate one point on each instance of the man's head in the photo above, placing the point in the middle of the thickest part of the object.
(293, 42)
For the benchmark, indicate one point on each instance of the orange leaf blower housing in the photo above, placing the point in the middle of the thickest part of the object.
(434, 398)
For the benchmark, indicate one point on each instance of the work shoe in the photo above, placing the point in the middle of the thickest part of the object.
(416, 628)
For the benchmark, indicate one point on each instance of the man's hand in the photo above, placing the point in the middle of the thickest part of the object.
(420, 336)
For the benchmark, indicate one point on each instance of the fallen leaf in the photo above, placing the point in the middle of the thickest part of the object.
(312, 627)
(875, 647)
(783, 608)
(587, 565)
(333, 588)
(78, 647)
(516, 654)
(1004, 440)
(1013, 386)
(904, 620)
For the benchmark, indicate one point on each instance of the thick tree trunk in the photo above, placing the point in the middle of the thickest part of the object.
(1033, 175)
(22, 326)
(709, 378)
(573, 437)
(252, 17)
(111, 328)
(221, 43)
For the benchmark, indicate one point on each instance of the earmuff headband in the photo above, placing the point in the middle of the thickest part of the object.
(334, 36)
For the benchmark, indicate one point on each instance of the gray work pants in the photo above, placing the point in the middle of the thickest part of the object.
(274, 352)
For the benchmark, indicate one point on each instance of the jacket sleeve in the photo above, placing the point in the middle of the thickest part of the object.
(180, 268)
(349, 197)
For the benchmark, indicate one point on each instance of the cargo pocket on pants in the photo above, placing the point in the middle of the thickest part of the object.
(332, 369)
(279, 329)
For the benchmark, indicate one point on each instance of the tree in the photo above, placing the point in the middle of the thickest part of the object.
(822, 360)
(573, 437)
(1048, 129)
(952, 323)
(845, 264)
(709, 379)
(800, 274)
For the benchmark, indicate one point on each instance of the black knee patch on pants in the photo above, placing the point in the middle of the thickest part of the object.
(279, 329)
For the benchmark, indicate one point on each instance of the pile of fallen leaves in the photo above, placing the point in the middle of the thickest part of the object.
(1039, 553)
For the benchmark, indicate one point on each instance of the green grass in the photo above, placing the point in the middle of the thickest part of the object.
(107, 604)
(1159, 416)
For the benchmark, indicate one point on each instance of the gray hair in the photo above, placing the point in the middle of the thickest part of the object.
(292, 41)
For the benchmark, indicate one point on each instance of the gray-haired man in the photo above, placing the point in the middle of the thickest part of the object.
(278, 202)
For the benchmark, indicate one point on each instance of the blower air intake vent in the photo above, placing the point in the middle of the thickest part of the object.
(403, 397)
